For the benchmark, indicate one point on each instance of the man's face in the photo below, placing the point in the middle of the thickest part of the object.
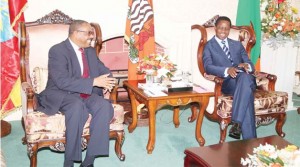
(222, 29)
(84, 35)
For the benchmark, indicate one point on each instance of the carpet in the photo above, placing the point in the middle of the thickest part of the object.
(169, 147)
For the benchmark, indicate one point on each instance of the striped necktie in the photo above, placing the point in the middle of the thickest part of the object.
(227, 52)
(85, 73)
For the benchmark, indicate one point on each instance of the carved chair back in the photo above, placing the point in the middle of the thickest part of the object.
(42, 130)
(269, 105)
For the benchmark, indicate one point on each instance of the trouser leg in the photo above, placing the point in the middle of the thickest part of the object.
(243, 104)
(76, 116)
(102, 113)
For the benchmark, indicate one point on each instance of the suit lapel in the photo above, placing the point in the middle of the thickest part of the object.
(231, 48)
(76, 67)
(219, 50)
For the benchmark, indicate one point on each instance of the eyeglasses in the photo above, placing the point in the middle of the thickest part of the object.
(87, 32)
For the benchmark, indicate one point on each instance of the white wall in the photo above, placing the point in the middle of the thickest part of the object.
(173, 20)
(112, 14)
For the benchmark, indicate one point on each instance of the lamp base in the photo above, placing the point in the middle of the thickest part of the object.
(5, 128)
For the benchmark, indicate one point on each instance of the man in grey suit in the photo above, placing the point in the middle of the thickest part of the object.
(77, 79)
(228, 59)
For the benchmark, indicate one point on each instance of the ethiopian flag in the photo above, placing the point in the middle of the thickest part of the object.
(11, 15)
(139, 33)
(249, 11)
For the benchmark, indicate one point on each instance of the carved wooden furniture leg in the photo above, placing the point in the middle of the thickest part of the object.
(151, 139)
(119, 136)
(194, 109)
(32, 153)
(133, 124)
(202, 107)
(176, 116)
(279, 124)
(223, 130)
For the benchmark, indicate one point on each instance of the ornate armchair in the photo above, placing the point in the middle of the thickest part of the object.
(49, 131)
(270, 105)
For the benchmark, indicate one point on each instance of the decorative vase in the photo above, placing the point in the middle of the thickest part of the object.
(149, 78)
(157, 79)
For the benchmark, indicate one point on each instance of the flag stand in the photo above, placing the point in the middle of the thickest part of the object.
(5, 128)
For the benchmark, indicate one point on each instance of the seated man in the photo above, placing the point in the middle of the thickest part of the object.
(228, 59)
(77, 79)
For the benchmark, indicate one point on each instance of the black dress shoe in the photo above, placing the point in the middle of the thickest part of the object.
(90, 165)
(235, 131)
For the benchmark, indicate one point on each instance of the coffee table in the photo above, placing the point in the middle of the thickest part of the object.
(227, 154)
(174, 99)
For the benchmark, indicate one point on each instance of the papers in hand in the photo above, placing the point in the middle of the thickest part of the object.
(152, 90)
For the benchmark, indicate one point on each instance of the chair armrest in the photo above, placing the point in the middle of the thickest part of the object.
(28, 97)
(114, 93)
(218, 84)
(261, 77)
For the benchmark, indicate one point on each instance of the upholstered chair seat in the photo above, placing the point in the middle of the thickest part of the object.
(42, 130)
(40, 126)
(270, 105)
(265, 102)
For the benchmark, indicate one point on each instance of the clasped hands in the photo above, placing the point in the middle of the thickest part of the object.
(105, 81)
(233, 71)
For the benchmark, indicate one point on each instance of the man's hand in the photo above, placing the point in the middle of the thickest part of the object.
(232, 72)
(245, 66)
(104, 81)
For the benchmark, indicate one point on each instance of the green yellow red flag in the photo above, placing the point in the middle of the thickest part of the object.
(11, 15)
(249, 11)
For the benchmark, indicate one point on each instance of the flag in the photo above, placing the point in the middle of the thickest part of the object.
(139, 33)
(11, 15)
(249, 11)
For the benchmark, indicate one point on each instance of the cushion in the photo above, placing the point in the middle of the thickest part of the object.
(40, 126)
(265, 102)
(39, 79)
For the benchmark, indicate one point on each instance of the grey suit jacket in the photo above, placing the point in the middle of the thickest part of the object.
(215, 60)
(65, 76)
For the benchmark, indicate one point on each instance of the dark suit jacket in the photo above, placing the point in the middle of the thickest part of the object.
(65, 76)
(215, 60)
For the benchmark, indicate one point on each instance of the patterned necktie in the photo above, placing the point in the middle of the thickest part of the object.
(226, 50)
(85, 73)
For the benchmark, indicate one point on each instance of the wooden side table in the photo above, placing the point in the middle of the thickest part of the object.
(175, 99)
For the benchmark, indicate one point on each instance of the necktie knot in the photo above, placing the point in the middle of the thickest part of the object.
(223, 42)
(81, 50)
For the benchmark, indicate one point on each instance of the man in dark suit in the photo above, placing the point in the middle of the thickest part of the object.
(228, 59)
(77, 79)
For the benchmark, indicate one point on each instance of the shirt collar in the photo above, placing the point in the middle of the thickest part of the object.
(75, 47)
(219, 40)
